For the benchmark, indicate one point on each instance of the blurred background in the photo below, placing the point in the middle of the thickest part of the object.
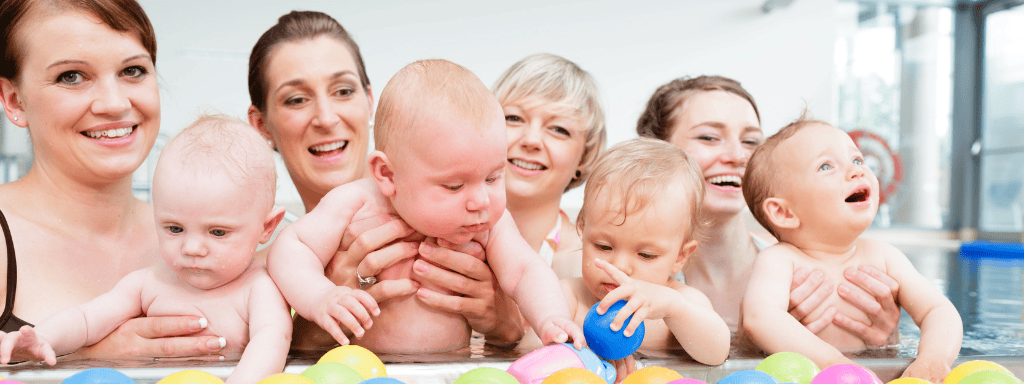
(932, 90)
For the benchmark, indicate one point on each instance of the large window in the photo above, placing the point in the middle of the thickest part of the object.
(894, 84)
(1002, 130)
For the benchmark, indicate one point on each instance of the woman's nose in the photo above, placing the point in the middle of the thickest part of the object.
(735, 153)
(531, 136)
(110, 99)
(325, 117)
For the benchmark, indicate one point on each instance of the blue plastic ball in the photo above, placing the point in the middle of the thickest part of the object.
(381, 380)
(99, 376)
(608, 344)
(748, 376)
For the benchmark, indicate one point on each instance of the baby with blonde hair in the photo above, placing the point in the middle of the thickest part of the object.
(440, 140)
(639, 224)
(809, 186)
(213, 200)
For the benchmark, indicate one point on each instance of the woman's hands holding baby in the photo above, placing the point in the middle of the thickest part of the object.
(26, 340)
(875, 297)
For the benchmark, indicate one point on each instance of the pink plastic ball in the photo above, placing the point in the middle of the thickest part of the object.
(846, 374)
(686, 381)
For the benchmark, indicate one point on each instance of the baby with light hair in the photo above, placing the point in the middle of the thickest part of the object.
(438, 165)
(213, 200)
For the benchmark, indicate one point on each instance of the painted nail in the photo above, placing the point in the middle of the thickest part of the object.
(217, 343)
(199, 324)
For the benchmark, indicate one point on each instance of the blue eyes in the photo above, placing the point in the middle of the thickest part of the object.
(825, 167)
(858, 161)
(174, 229)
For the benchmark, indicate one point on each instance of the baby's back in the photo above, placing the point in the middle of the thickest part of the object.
(833, 269)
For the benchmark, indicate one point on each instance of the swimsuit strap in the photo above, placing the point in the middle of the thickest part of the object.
(12, 272)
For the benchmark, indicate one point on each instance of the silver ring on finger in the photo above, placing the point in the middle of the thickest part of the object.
(366, 282)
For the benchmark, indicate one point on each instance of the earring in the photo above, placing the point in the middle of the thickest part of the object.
(15, 118)
(578, 173)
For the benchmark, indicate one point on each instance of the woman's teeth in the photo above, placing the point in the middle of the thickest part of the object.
(527, 165)
(329, 146)
(110, 133)
(730, 180)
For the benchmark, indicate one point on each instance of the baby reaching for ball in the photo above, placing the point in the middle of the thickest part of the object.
(808, 185)
(213, 200)
(641, 210)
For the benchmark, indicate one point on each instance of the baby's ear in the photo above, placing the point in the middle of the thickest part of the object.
(684, 254)
(382, 172)
(270, 223)
(779, 213)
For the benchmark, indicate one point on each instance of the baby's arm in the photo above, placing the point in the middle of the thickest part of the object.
(941, 326)
(270, 333)
(765, 311)
(76, 327)
(687, 313)
(532, 284)
(297, 259)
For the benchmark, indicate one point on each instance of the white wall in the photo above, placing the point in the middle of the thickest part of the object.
(783, 58)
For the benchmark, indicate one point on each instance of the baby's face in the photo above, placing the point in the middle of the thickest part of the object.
(825, 179)
(648, 245)
(449, 177)
(208, 226)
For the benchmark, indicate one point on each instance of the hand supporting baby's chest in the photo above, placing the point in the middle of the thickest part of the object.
(225, 315)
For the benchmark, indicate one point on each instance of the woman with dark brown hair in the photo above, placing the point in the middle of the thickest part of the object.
(81, 77)
(717, 123)
(312, 100)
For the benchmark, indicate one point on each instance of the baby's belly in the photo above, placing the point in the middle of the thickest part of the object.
(407, 325)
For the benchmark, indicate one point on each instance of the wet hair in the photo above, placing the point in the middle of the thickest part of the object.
(761, 175)
(554, 79)
(422, 89)
(295, 26)
(638, 171)
(665, 104)
(124, 16)
(221, 144)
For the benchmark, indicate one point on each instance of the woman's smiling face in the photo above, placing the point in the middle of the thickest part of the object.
(317, 114)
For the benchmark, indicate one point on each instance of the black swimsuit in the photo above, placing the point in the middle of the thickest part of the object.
(9, 322)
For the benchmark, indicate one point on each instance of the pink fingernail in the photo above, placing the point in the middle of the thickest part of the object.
(420, 266)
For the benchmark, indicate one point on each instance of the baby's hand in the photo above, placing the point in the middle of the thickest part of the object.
(560, 330)
(933, 370)
(346, 306)
(644, 300)
(26, 340)
(623, 367)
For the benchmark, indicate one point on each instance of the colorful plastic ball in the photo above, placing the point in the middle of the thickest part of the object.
(686, 381)
(652, 375)
(909, 380)
(608, 344)
(989, 377)
(361, 359)
(10, 382)
(381, 380)
(486, 375)
(98, 376)
(330, 372)
(191, 376)
(846, 374)
(789, 367)
(748, 376)
(285, 378)
(574, 376)
(961, 371)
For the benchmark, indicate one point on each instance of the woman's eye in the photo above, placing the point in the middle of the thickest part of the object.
(292, 101)
(707, 138)
(175, 229)
(825, 167)
(218, 232)
(345, 92)
(561, 131)
(134, 72)
(752, 142)
(858, 161)
(70, 78)
(453, 188)
(513, 119)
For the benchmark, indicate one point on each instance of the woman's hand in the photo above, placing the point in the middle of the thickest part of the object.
(368, 246)
(476, 295)
(152, 337)
(876, 298)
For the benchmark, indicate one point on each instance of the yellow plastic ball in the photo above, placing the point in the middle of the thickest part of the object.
(909, 380)
(286, 378)
(361, 359)
(574, 376)
(191, 376)
(970, 367)
(652, 375)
